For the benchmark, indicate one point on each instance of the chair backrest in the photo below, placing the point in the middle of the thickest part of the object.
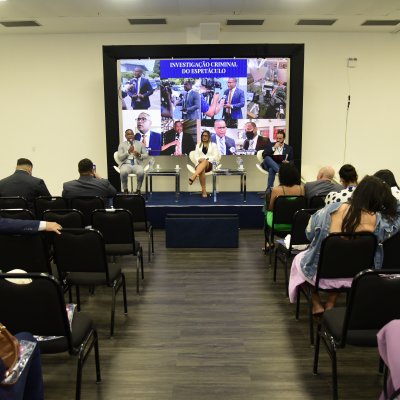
(391, 252)
(299, 225)
(80, 250)
(285, 208)
(116, 226)
(17, 213)
(116, 158)
(86, 205)
(317, 201)
(344, 255)
(13, 202)
(37, 307)
(43, 203)
(136, 204)
(27, 252)
(67, 218)
(373, 300)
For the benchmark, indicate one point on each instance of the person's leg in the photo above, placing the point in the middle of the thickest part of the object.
(139, 171)
(199, 169)
(202, 178)
(330, 303)
(317, 308)
(125, 170)
(272, 167)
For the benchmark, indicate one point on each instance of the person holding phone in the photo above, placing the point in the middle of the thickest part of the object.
(131, 154)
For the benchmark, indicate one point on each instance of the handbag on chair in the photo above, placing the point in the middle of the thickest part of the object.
(9, 348)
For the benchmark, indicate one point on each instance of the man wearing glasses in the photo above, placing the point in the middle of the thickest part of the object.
(151, 140)
(131, 155)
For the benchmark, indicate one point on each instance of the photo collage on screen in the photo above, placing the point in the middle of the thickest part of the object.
(166, 97)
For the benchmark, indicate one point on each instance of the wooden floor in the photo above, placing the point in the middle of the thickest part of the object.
(208, 324)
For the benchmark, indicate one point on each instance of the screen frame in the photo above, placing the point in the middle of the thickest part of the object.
(112, 54)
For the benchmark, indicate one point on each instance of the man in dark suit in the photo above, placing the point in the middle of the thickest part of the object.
(190, 102)
(140, 90)
(152, 140)
(253, 141)
(234, 101)
(274, 155)
(88, 184)
(177, 142)
(27, 227)
(225, 144)
(22, 183)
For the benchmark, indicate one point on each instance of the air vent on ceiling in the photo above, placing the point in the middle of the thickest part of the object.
(316, 22)
(18, 24)
(245, 21)
(388, 22)
(148, 21)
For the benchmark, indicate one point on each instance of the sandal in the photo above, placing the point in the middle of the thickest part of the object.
(192, 180)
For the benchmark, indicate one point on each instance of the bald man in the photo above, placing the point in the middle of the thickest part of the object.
(323, 185)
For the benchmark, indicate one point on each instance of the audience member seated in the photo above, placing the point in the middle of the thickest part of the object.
(29, 385)
(28, 227)
(323, 185)
(275, 155)
(131, 154)
(206, 153)
(348, 178)
(88, 184)
(372, 208)
(290, 185)
(22, 183)
(387, 176)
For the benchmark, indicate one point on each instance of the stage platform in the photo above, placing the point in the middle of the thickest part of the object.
(159, 204)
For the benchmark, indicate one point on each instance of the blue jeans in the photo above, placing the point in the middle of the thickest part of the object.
(273, 168)
(30, 384)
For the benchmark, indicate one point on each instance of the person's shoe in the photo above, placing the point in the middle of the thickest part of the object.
(204, 194)
(126, 191)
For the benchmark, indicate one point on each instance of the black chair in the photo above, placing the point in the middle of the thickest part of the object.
(284, 209)
(43, 203)
(116, 226)
(68, 218)
(80, 256)
(317, 201)
(13, 202)
(391, 252)
(17, 213)
(86, 205)
(136, 204)
(27, 252)
(297, 237)
(39, 307)
(342, 255)
(372, 303)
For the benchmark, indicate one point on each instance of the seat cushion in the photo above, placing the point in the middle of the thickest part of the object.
(94, 278)
(278, 227)
(81, 327)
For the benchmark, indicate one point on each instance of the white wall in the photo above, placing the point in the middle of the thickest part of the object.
(52, 106)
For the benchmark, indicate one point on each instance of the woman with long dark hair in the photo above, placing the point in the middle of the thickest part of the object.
(372, 208)
(205, 154)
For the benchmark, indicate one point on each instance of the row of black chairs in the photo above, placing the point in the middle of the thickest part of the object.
(17, 207)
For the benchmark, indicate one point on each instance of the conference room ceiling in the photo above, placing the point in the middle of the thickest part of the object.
(112, 16)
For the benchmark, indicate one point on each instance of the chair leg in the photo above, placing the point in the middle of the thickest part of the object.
(78, 298)
(298, 303)
(79, 375)
(114, 289)
(137, 274)
(310, 316)
(96, 356)
(152, 239)
(316, 349)
(334, 374)
(124, 294)
(141, 261)
(275, 263)
(286, 276)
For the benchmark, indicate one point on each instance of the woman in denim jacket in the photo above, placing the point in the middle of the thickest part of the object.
(371, 209)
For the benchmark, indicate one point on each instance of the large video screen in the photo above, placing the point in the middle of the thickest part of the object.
(164, 96)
